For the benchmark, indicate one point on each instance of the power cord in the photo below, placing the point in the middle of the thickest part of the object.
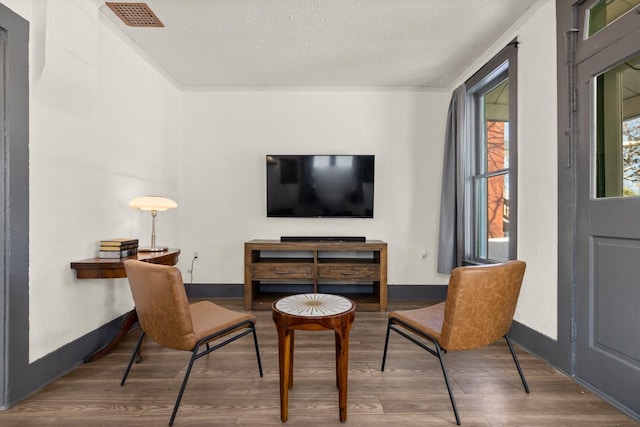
(190, 271)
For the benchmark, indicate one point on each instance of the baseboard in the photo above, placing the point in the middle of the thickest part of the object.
(536, 343)
(417, 292)
(214, 290)
(548, 350)
(394, 292)
(63, 360)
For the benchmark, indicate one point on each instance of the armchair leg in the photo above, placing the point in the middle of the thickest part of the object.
(439, 355)
(386, 345)
(515, 359)
(438, 352)
(134, 356)
(255, 341)
(194, 356)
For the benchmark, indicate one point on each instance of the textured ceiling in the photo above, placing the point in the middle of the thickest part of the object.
(280, 43)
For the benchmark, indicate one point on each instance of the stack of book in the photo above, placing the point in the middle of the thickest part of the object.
(118, 248)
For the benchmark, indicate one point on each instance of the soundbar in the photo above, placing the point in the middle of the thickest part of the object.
(323, 239)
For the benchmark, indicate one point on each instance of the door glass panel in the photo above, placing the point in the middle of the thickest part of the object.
(617, 138)
(605, 12)
(493, 217)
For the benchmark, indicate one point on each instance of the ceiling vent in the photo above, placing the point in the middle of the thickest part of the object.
(135, 14)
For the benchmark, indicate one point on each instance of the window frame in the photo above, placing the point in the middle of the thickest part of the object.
(501, 67)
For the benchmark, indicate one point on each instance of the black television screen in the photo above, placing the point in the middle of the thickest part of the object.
(338, 186)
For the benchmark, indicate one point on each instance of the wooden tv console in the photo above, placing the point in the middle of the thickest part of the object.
(312, 266)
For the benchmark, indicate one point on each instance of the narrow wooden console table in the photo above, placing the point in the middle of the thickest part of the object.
(101, 268)
(314, 266)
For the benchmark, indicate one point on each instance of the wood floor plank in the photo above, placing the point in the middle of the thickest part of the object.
(225, 388)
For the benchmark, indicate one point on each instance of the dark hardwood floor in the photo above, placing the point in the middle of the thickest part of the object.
(225, 388)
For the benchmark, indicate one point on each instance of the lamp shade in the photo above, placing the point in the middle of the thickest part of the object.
(153, 203)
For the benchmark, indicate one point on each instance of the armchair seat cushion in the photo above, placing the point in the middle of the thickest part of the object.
(209, 318)
(427, 320)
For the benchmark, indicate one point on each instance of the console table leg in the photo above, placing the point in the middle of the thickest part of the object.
(129, 321)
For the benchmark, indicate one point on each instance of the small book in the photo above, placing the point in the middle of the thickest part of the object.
(118, 248)
(117, 254)
(119, 242)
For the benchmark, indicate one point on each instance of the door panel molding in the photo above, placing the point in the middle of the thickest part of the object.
(615, 267)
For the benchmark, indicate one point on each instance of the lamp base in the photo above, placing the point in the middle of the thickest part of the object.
(154, 249)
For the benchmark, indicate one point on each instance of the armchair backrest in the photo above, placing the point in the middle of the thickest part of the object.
(161, 304)
(480, 304)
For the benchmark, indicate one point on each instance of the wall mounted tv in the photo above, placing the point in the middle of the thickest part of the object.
(331, 186)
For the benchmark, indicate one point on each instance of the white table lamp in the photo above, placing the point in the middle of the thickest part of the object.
(153, 204)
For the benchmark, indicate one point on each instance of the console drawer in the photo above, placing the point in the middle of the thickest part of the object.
(349, 272)
(282, 271)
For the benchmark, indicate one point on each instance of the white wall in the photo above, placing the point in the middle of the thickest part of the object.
(104, 128)
(227, 135)
(538, 177)
(537, 163)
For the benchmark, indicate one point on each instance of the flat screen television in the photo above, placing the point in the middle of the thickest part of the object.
(321, 186)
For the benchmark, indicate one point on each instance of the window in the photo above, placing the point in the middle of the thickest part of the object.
(490, 161)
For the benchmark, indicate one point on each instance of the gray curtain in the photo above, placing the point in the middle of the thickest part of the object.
(450, 230)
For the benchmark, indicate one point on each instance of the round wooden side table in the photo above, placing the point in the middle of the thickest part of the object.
(313, 312)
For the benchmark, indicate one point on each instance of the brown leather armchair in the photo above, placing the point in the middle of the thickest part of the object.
(478, 310)
(167, 317)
